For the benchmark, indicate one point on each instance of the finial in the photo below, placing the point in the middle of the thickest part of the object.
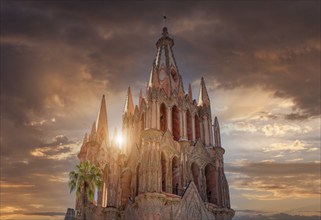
(165, 33)
(164, 21)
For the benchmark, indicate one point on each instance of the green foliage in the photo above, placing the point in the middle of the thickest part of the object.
(85, 179)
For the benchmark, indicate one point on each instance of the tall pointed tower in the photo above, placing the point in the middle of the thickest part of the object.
(171, 163)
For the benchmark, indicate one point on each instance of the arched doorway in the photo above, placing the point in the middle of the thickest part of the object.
(211, 191)
(137, 179)
(196, 172)
(189, 125)
(175, 176)
(163, 117)
(125, 186)
(175, 123)
(163, 164)
(197, 127)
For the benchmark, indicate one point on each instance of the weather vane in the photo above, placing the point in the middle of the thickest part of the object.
(164, 20)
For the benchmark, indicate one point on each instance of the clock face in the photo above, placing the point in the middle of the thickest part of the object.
(162, 74)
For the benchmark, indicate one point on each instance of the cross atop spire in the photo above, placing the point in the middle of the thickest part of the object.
(164, 21)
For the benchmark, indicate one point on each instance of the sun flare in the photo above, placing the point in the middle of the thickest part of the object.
(120, 140)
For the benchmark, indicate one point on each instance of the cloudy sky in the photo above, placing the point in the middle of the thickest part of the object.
(261, 62)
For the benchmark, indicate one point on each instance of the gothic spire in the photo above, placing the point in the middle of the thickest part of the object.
(92, 136)
(217, 134)
(190, 94)
(140, 98)
(153, 79)
(181, 91)
(129, 105)
(165, 73)
(203, 98)
(146, 91)
(102, 123)
(85, 139)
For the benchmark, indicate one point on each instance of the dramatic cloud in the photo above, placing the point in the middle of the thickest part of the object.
(295, 146)
(276, 181)
(261, 62)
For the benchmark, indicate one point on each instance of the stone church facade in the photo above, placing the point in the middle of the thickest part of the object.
(171, 163)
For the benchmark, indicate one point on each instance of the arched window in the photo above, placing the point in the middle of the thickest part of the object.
(137, 179)
(95, 201)
(163, 163)
(175, 123)
(211, 191)
(125, 186)
(189, 125)
(175, 175)
(105, 187)
(196, 173)
(142, 122)
(163, 117)
(197, 128)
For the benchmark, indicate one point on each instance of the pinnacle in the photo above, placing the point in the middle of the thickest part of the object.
(102, 123)
(190, 93)
(129, 105)
(203, 98)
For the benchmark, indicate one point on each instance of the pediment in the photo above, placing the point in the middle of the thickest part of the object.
(168, 144)
(143, 105)
(199, 153)
(191, 205)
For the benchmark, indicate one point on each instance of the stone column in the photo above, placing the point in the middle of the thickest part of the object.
(193, 127)
(206, 131)
(201, 129)
(169, 119)
(184, 125)
(202, 184)
(211, 131)
(147, 118)
(154, 114)
(157, 116)
(181, 134)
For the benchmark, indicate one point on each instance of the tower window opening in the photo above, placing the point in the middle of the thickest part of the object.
(211, 191)
(163, 163)
(197, 128)
(174, 75)
(189, 125)
(137, 179)
(163, 117)
(175, 175)
(175, 123)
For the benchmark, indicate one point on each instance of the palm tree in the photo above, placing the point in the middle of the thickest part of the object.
(85, 180)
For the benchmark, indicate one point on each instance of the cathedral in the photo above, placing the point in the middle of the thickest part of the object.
(170, 165)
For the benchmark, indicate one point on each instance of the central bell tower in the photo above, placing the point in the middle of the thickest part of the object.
(168, 166)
